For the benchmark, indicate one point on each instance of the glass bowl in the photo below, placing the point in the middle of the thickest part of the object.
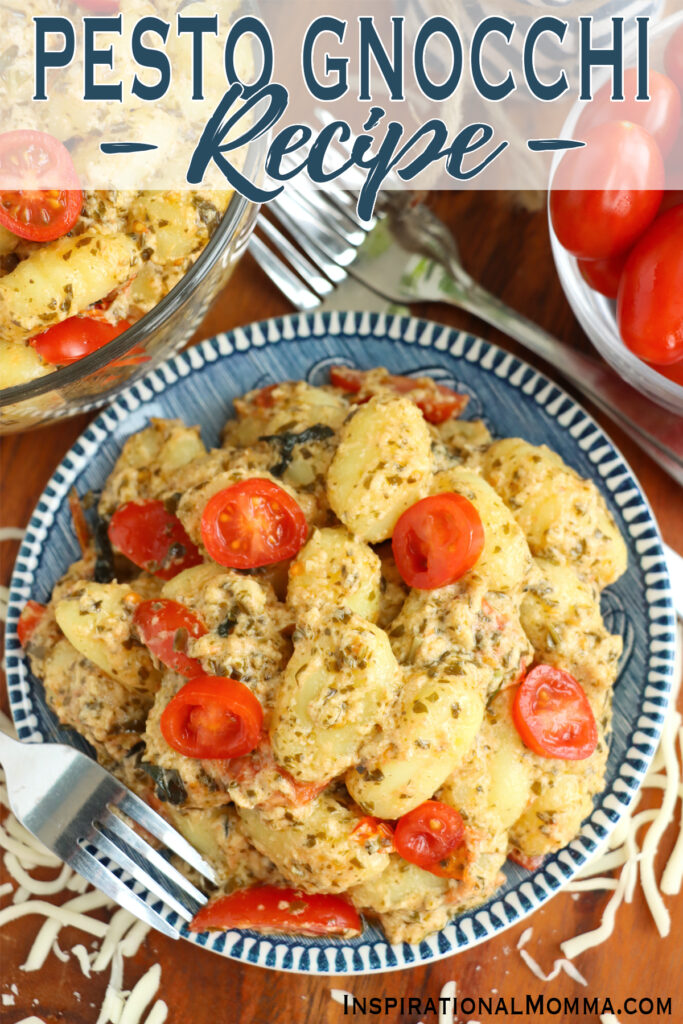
(96, 379)
(595, 313)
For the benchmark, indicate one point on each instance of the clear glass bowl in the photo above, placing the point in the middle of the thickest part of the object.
(93, 381)
(595, 313)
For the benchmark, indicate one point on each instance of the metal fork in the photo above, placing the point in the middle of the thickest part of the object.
(73, 806)
(407, 255)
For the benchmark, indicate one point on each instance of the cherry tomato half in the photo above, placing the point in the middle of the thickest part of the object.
(39, 211)
(673, 57)
(152, 538)
(269, 908)
(552, 715)
(437, 540)
(604, 275)
(31, 614)
(78, 336)
(660, 116)
(436, 402)
(429, 836)
(252, 523)
(164, 627)
(650, 303)
(605, 195)
(212, 717)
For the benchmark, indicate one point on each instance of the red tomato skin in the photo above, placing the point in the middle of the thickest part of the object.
(552, 715)
(650, 301)
(58, 175)
(152, 538)
(253, 523)
(437, 540)
(660, 116)
(673, 58)
(429, 836)
(158, 622)
(261, 908)
(31, 614)
(75, 337)
(674, 371)
(598, 222)
(194, 721)
(525, 861)
(436, 402)
(603, 275)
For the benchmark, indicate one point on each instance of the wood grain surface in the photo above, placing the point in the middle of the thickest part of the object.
(508, 250)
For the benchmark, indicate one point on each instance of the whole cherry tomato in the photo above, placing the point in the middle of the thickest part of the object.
(152, 538)
(437, 540)
(436, 402)
(552, 715)
(270, 908)
(604, 275)
(252, 523)
(50, 202)
(164, 627)
(650, 302)
(429, 836)
(212, 717)
(605, 195)
(673, 57)
(660, 116)
(78, 336)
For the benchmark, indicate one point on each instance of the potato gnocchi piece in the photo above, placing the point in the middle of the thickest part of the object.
(247, 625)
(505, 562)
(334, 570)
(432, 730)
(464, 439)
(292, 406)
(106, 713)
(381, 467)
(320, 854)
(19, 364)
(565, 791)
(561, 616)
(97, 619)
(401, 886)
(147, 460)
(565, 518)
(393, 591)
(63, 278)
(335, 692)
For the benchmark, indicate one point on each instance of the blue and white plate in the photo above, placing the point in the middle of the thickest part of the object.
(515, 400)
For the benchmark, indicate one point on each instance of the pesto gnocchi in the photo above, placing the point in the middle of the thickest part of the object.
(379, 699)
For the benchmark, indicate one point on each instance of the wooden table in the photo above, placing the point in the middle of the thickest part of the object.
(508, 250)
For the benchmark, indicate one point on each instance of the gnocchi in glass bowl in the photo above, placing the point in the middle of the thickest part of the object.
(171, 297)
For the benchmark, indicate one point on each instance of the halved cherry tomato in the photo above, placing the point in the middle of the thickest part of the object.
(78, 336)
(673, 57)
(437, 540)
(650, 302)
(269, 908)
(212, 717)
(252, 523)
(660, 116)
(436, 402)
(40, 194)
(674, 372)
(552, 715)
(429, 836)
(164, 627)
(604, 275)
(605, 195)
(152, 538)
(31, 614)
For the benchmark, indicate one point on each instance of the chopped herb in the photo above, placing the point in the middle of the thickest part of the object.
(287, 441)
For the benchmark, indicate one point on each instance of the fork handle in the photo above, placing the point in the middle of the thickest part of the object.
(656, 432)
